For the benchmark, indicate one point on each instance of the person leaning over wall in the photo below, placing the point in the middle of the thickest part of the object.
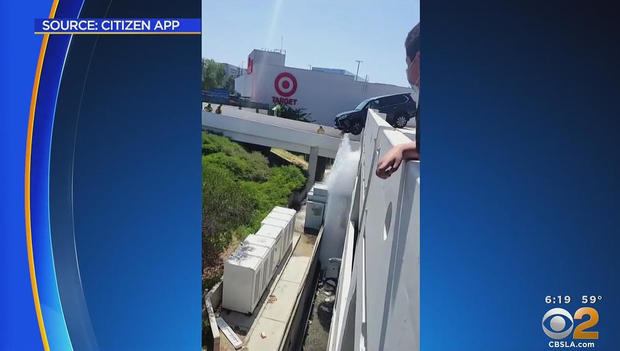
(391, 161)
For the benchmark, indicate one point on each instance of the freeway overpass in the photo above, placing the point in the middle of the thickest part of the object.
(259, 129)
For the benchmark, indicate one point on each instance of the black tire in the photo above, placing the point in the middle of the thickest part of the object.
(399, 120)
(356, 128)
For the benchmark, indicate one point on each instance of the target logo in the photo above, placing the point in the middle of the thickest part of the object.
(285, 84)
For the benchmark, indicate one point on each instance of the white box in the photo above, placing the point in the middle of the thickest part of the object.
(320, 189)
(260, 240)
(264, 253)
(314, 216)
(268, 243)
(281, 223)
(286, 210)
(287, 233)
(273, 229)
(242, 282)
(316, 198)
(293, 220)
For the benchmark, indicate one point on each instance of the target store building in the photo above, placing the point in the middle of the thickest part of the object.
(323, 92)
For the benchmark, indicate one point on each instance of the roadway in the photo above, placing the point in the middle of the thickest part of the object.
(233, 111)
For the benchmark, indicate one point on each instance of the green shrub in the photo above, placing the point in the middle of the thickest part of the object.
(260, 165)
(212, 143)
(226, 154)
(298, 114)
(224, 206)
(241, 168)
(274, 192)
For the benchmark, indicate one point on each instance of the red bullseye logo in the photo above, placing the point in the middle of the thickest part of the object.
(285, 84)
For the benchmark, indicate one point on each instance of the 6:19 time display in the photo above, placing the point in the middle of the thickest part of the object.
(557, 299)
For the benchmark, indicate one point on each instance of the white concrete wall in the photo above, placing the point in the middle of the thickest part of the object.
(323, 94)
(243, 85)
(384, 283)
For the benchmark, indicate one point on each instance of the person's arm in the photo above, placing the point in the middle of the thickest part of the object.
(390, 162)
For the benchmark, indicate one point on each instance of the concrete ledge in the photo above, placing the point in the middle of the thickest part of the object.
(214, 297)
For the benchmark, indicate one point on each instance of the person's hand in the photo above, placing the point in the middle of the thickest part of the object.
(390, 162)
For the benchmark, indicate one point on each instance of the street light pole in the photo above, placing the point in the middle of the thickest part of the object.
(358, 69)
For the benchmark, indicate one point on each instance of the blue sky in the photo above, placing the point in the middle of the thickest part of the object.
(324, 33)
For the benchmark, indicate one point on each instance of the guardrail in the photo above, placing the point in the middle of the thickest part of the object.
(378, 298)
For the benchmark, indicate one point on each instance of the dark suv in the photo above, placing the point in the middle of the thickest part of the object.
(398, 108)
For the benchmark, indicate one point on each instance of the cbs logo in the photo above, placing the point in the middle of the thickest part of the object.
(558, 323)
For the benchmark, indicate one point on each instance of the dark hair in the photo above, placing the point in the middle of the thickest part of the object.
(412, 43)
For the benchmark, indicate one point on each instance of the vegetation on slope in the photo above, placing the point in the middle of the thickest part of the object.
(239, 188)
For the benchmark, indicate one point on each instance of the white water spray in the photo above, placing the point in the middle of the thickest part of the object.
(340, 183)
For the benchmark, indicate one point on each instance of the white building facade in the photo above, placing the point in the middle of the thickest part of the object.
(322, 92)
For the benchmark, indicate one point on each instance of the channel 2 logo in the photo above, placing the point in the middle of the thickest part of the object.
(285, 84)
(558, 323)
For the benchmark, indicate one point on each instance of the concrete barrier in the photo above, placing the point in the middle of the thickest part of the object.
(213, 298)
(378, 307)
